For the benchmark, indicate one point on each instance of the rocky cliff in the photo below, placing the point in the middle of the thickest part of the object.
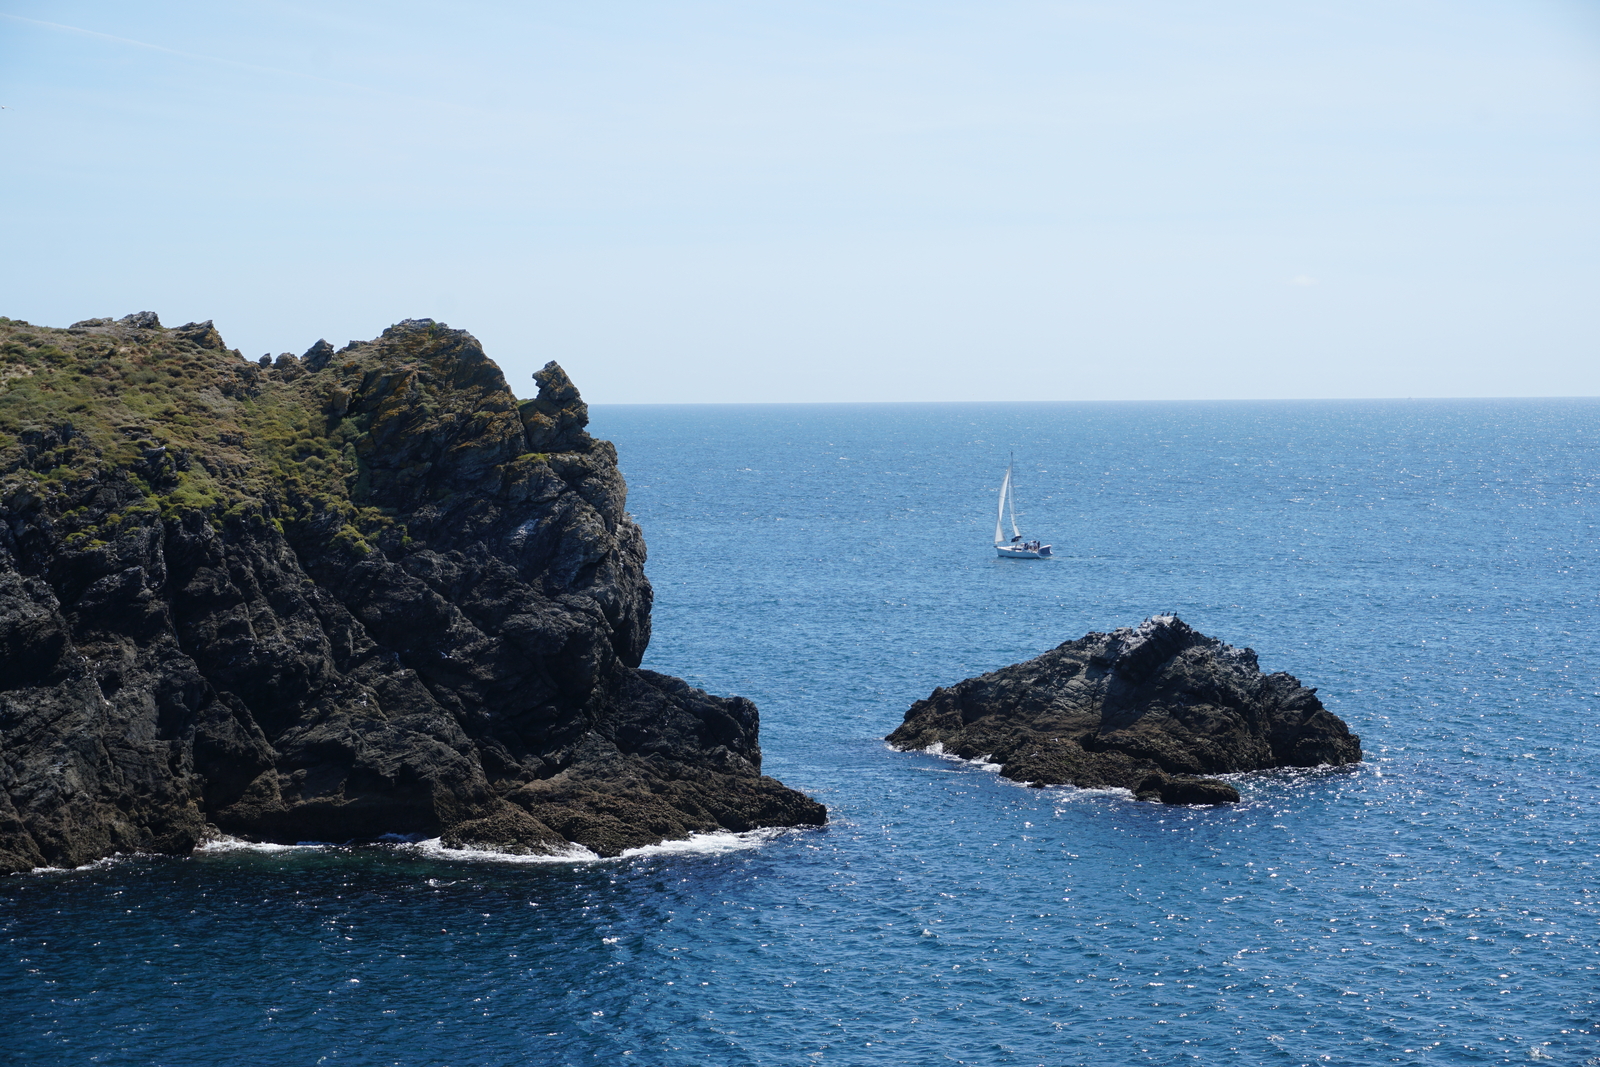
(1150, 709)
(354, 593)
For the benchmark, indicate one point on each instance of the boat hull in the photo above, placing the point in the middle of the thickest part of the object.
(1014, 552)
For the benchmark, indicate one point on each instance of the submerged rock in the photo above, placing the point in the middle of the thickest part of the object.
(1150, 709)
(359, 593)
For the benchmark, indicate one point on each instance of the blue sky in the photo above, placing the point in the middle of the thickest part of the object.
(834, 201)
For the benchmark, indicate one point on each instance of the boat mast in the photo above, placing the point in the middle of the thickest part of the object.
(1011, 504)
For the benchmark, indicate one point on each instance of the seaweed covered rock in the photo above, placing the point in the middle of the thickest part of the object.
(1151, 709)
(358, 593)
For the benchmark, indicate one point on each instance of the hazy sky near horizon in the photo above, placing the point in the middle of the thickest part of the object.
(877, 200)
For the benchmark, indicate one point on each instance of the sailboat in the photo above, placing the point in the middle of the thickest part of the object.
(1016, 548)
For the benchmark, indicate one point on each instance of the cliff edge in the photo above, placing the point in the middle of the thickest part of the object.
(331, 597)
(1149, 709)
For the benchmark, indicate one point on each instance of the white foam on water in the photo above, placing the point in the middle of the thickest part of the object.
(718, 843)
(984, 762)
(434, 848)
(1067, 794)
(711, 844)
(236, 844)
(105, 861)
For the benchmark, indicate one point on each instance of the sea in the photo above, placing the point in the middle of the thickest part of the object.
(1430, 566)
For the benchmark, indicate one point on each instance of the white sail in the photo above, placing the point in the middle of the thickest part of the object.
(1011, 505)
(1000, 511)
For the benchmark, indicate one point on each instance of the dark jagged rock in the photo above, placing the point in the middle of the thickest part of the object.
(1150, 709)
(554, 420)
(203, 334)
(330, 598)
(318, 355)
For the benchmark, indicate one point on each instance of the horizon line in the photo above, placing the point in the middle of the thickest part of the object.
(1140, 400)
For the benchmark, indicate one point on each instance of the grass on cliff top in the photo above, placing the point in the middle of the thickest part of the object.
(124, 395)
(234, 434)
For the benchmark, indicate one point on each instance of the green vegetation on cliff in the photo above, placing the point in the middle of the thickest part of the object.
(195, 427)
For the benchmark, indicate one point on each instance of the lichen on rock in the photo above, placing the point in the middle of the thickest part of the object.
(1152, 709)
(333, 597)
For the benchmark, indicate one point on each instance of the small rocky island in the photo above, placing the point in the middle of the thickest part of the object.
(331, 597)
(1151, 709)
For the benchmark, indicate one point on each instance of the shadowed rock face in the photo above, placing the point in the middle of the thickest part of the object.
(329, 598)
(1151, 709)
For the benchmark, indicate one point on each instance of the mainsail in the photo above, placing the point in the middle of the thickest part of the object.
(1005, 507)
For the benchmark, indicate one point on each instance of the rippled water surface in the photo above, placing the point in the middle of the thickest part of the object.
(1430, 566)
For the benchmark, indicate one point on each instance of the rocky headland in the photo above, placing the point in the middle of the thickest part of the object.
(1152, 709)
(331, 597)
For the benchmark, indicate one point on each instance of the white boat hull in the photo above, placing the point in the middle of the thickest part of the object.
(1018, 552)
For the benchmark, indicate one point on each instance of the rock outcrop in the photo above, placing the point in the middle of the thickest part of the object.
(358, 593)
(1151, 709)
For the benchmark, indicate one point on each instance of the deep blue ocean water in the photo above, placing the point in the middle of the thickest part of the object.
(1430, 566)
